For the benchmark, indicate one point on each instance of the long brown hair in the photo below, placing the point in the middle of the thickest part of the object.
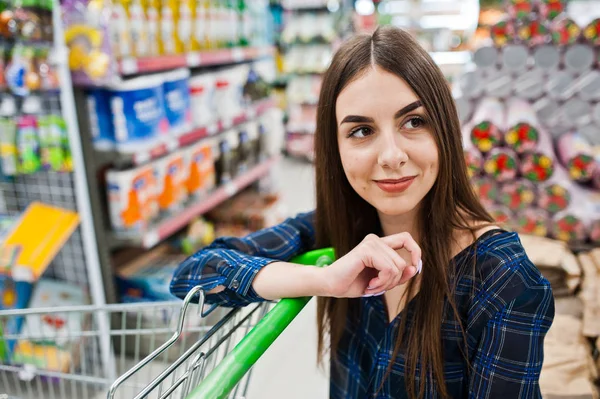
(343, 218)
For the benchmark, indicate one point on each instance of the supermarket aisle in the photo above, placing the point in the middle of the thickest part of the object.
(289, 368)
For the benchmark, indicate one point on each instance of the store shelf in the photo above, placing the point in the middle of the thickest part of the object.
(301, 128)
(138, 158)
(176, 222)
(451, 57)
(132, 66)
(308, 7)
(308, 42)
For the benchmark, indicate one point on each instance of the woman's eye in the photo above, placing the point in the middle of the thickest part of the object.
(414, 123)
(360, 132)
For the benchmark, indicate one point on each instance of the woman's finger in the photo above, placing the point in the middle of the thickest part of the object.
(398, 262)
(405, 240)
(381, 260)
(386, 255)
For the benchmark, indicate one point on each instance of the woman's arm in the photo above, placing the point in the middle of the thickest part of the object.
(510, 353)
(238, 271)
(229, 266)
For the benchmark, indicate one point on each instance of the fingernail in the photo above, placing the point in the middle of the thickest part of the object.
(420, 267)
(370, 288)
(367, 295)
(381, 293)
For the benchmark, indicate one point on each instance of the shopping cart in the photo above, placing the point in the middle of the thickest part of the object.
(208, 351)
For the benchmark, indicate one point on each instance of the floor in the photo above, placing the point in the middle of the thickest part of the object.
(289, 368)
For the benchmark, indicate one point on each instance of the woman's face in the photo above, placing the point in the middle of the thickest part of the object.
(385, 141)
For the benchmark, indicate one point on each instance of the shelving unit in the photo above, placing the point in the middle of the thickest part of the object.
(173, 143)
(173, 223)
(295, 77)
(131, 66)
(98, 161)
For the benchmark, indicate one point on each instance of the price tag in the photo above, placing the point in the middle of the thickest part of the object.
(193, 59)
(231, 189)
(129, 66)
(151, 239)
(237, 54)
(172, 144)
(142, 157)
(227, 123)
(265, 51)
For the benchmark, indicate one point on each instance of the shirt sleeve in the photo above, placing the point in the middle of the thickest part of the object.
(234, 262)
(509, 356)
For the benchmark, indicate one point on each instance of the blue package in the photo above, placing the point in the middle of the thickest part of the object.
(149, 279)
(138, 114)
(13, 295)
(98, 103)
(176, 89)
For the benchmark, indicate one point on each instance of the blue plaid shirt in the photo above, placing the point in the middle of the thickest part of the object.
(506, 308)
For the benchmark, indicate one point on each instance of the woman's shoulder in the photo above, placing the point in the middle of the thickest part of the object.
(502, 281)
(502, 271)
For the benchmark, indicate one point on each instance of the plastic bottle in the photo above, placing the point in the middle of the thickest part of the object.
(232, 23)
(245, 24)
(261, 147)
(152, 9)
(244, 152)
(200, 25)
(224, 164)
(220, 23)
(119, 30)
(8, 133)
(185, 25)
(53, 134)
(138, 28)
(168, 26)
(27, 140)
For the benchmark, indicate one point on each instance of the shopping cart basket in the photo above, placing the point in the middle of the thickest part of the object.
(196, 359)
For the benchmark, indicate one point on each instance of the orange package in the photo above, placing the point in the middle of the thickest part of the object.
(132, 198)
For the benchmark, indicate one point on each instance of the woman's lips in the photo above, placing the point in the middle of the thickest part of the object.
(395, 185)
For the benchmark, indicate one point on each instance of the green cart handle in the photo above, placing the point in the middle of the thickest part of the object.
(229, 372)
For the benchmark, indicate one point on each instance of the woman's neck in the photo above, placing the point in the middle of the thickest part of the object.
(406, 222)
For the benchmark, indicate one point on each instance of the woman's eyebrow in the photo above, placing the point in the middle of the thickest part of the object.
(365, 119)
(410, 107)
(357, 119)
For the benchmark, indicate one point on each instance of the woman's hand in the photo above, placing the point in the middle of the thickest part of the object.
(372, 267)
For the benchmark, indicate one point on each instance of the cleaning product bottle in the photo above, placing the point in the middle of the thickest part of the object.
(8, 132)
(200, 25)
(119, 30)
(185, 25)
(232, 23)
(168, 24)
(28, 145)
(245, 23)
(219, 14)
(138, 28)
(152, 9)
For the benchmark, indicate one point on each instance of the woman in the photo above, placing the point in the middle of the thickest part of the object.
(427, 298)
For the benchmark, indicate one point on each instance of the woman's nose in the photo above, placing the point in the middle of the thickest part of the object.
(391, 153)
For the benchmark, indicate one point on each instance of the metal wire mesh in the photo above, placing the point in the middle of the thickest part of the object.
(58, 189)
(42, 361)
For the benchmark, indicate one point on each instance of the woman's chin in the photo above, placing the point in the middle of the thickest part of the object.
(393, 207)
